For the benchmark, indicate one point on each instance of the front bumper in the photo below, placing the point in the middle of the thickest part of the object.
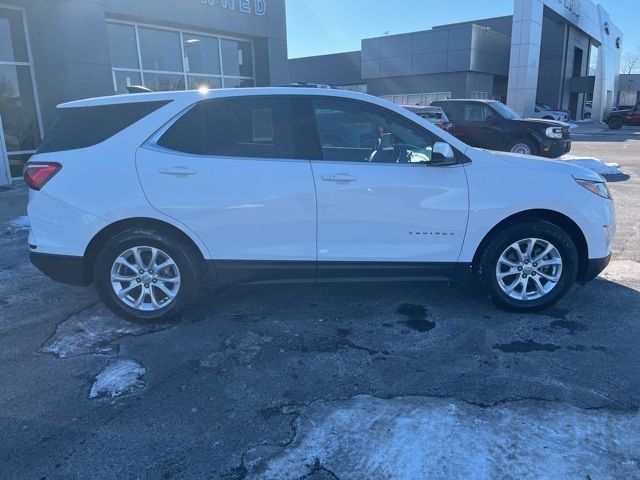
(555, 148)
(594, 267)
(61, 268)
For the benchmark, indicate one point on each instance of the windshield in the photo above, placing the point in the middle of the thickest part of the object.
(504, 111)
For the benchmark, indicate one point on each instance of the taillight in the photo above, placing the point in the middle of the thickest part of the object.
(36, 175)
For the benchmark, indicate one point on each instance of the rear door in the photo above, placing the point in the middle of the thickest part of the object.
(381, 209)
(231, 170)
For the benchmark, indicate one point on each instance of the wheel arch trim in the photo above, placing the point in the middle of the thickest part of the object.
(557, 218)
(116, 227)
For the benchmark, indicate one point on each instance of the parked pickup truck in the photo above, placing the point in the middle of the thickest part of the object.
(492, 125)
(630, 116)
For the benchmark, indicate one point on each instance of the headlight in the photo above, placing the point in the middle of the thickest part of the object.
(554, 132)
(599, 188)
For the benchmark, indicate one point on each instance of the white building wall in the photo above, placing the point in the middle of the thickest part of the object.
(525, 50)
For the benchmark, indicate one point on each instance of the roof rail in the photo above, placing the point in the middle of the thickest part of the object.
(138, 89)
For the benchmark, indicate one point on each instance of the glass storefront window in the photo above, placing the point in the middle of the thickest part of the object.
(160, 50)
(16, 163)
(122, 44)
(173, 60)
(202, 54)
(237, 83)
(196, 82)
(162, 82)
(13, 43)
(18, 109)
(237, 58)
(124, 79)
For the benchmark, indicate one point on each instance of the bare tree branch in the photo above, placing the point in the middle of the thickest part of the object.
(631, 62)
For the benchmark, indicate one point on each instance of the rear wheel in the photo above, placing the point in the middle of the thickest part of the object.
(523, 146)
(147, 275)
(615, 123)
(528, 266)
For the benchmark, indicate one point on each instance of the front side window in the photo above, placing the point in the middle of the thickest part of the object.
(251, 127)
(352, 131)
(504, 111)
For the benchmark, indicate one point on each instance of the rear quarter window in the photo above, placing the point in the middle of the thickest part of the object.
(82, 127)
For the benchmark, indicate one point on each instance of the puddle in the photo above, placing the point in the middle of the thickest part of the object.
(343, 332)
(569, 325)
(526, 347)
(416, 317)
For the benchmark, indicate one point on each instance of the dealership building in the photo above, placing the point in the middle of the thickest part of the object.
(563, 53)
(54, 51)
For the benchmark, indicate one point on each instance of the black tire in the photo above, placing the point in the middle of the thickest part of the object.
(533, 146)
(548, 117)
(587, 116)
(507, 236)
(615, 123)
(184, 256)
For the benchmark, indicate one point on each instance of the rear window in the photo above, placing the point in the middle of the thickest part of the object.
(82, 127)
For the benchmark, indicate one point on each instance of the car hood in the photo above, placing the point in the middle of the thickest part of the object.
(549, 164)
(543, 122)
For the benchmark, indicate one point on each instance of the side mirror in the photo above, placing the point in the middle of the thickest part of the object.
(492, 120)
(442, 155)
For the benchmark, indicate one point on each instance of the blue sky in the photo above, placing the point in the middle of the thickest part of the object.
(316, 27)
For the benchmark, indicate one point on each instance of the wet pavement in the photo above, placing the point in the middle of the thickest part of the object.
(321, 382)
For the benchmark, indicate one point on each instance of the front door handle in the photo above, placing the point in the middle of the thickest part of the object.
(339, 178)
(177, 171)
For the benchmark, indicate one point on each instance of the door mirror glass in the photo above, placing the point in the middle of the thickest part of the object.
(442, 155)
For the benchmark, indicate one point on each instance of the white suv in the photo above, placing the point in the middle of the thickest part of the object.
(152, 196)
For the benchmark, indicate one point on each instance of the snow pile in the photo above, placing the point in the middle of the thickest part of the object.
(417, 437)
(121, 376)
(92, 331)
(593, 164)
(19, 224)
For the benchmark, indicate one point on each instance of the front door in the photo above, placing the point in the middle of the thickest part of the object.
(379, 203)
(229, 170)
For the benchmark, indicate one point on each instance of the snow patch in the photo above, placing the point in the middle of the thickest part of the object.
(622, 271)
(121, 376)
(593, 164)
(92, 331)
(417, 437)
(19, 224)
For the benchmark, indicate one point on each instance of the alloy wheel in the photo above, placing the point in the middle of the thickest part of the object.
(145, 278)
(529, 269)
(521, 148)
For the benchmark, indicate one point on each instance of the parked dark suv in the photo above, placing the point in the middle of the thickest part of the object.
(492, 125)
(629, 116)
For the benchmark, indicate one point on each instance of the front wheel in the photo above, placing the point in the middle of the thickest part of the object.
(523, 146)
(528, 266)
(146, 275)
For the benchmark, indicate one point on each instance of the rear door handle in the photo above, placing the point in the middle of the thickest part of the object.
(339, 178)
(177, 171)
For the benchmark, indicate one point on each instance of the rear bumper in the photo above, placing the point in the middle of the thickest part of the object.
(61, 268)
(594, 267)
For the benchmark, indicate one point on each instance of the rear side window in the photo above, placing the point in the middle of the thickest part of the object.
(453, 110)
(81, 127)
(258, 127)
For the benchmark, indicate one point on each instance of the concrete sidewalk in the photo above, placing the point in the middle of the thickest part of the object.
(599, 128)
